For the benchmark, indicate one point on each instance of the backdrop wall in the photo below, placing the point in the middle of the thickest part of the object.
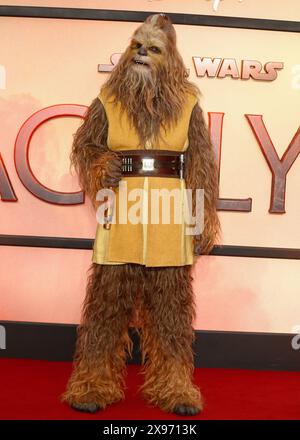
(46, 62)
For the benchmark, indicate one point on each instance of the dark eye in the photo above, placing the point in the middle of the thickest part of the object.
(154, 49)
(137, 45)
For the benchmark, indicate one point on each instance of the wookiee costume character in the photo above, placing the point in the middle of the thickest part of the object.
(147, 106)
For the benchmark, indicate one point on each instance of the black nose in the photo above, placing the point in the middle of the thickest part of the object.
(142, 51)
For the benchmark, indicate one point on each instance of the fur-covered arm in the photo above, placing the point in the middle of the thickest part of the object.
(201, 172)
(97, 166)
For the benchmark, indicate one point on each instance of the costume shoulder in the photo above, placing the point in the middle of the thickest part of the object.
(104, 98)
(192, 100)
(101, 96)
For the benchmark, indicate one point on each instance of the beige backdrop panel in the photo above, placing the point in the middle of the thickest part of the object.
(41, 71)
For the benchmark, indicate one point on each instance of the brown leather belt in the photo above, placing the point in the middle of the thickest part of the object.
(160, 163)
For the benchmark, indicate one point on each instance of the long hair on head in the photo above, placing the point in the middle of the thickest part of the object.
(153, 95)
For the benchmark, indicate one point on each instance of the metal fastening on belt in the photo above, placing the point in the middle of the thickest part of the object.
(126, 164)
(147, 164)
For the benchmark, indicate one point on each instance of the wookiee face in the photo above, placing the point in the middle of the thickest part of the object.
(148, 50)
(149, 56)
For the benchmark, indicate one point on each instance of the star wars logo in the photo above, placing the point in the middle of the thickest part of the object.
(221, 68)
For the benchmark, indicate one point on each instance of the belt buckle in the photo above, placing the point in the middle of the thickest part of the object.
(147, 164)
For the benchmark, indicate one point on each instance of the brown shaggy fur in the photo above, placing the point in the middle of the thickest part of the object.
(102, 343)
(90, 156)
(153, 97)
(166, 338)
(201, 172)
(167, 312)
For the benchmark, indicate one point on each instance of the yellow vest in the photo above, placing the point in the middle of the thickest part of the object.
(147, 243)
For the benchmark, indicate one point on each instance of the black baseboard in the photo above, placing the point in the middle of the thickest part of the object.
(87, 244)
(213, 349)
(140, 16)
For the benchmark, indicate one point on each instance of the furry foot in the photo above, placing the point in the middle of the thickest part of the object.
(86, 407)
(186, 410)
(83, 394)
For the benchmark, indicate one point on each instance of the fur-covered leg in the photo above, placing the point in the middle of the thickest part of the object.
(100, 358)
(166, 341)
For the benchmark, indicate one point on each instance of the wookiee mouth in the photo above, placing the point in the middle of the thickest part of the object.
(140, 62)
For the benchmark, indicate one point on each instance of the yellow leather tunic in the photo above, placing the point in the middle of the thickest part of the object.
(144, 242)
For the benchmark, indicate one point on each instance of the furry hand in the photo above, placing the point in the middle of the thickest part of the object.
(111, 170)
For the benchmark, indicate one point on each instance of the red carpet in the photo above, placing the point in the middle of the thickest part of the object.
(31, 389)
